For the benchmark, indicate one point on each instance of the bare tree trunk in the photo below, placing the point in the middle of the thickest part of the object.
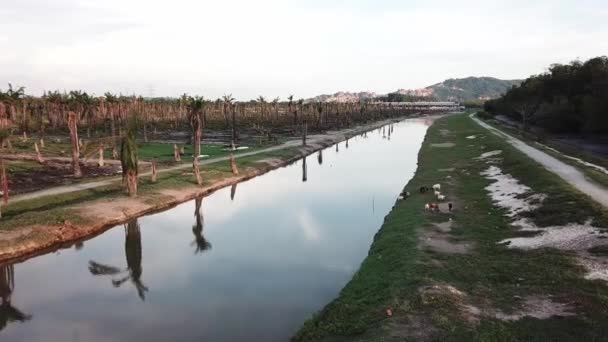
(38, 154)
(233, 138)
(154, 177)
(132, 183)
(235, 170)
(101, 162)
(176, 154)
(73, 127)
(197, 171)
(304, 132)
(320, 157)
(4, 184)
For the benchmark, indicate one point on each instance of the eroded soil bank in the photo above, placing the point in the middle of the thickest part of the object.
(51, 225)
(521, 256)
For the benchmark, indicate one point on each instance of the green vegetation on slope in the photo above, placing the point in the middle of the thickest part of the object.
(398, 268)
(570, 98)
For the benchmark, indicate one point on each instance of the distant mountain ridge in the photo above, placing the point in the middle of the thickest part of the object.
(453, 89)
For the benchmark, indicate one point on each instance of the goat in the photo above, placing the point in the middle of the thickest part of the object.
(434, 207)
(450, 206)
(441, 198)
(427, 207)
(437, 187)
(437, 193)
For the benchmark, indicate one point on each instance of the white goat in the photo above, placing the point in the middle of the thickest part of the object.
(441, 198)
(427, 207)
(437, 187)
(437, 193)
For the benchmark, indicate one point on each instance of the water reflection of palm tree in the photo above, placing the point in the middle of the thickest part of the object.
(9, 313)
(197, 229)
(304, 170)
(232, 192)
(133, 253)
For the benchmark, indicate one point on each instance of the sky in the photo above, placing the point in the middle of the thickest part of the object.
(276, 48)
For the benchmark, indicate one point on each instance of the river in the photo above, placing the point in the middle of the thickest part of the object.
(247, 263)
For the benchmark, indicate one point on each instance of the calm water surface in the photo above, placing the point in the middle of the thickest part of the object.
(247, 263)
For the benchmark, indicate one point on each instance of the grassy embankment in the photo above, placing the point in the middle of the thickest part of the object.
(548, 146)
(491, 276)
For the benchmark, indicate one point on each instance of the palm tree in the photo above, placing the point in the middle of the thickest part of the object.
(14, 96)
(228, 106)
(275, 107)
(290, 106)
(128, 158)
(73, 127)
(261, 100)
(195, 107)
(201, 244)
(133, 253)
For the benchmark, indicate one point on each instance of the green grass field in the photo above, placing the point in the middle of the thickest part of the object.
(491, 275)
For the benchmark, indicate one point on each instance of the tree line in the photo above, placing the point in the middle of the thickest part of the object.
(568, 98)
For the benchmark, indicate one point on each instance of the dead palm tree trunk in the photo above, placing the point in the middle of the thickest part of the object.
(128, 159)
(101, 162)
(304, 132)
(4, 184)
(73, 127)
(154, 173)
(235, 170)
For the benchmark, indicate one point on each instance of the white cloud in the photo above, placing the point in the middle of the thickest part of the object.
(273, 47)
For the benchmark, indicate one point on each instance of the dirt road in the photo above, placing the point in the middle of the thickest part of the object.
(334, 137)
(567, 172)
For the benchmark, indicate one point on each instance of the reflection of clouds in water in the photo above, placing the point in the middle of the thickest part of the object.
(292, 232)
(307, 223)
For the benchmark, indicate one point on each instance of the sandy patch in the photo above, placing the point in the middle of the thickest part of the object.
(444, 145)
(444, 132)
(438, 240)
(539, 307)
(444, 227)
(508, 193)
(489, 154)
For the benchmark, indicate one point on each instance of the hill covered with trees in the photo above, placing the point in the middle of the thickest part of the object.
(471, 89)
(568, 98)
